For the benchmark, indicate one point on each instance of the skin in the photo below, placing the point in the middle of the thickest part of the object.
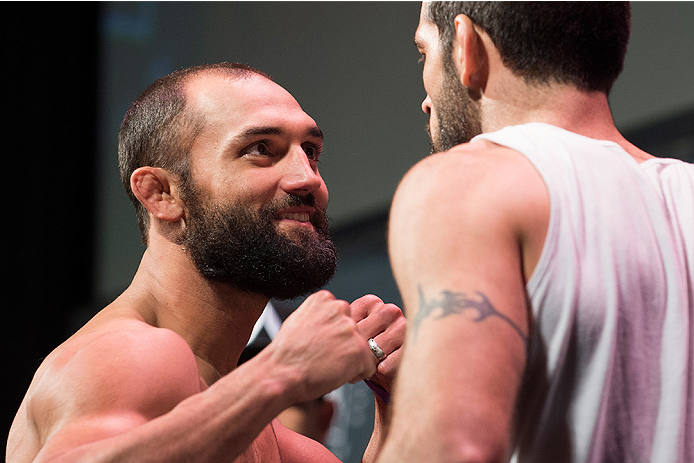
(153, 376)
(466, 231)
(311, 418)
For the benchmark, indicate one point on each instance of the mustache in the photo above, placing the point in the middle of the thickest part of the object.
(296, 200)
(319, 219)
(292, 200)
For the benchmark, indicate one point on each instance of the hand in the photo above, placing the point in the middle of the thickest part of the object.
(386, 324)
(322, 343)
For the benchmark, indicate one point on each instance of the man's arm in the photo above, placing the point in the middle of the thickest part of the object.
(456, 238)
(134, 394)
(386, 324)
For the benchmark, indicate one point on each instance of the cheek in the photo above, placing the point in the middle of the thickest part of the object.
(428, 78)
(433, 119)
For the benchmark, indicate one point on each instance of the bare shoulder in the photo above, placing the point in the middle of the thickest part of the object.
(480, 195)
(480, 178)
(117, 375)
(468, 167)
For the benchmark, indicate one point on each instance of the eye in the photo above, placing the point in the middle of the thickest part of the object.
(258, 149)
(312, 151)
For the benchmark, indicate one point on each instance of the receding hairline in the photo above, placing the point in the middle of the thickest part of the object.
(191, 110)
(206, 76)
(229, 74)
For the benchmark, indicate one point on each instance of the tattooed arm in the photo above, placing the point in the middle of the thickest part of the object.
(455, 303)
(466, 229)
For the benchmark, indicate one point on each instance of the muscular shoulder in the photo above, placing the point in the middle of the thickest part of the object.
(480, 195)
(480, 178)
(465, 169)
(125, 368)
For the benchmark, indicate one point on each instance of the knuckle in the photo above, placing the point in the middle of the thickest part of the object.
(369, 299)
(337, 308)
(393, 310)
(324, 294)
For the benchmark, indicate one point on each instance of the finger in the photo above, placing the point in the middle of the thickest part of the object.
(391, 339)
(362, 307)
(345, 308)
(380, 320)
(323, 295)
(389, 365)
(379, 353)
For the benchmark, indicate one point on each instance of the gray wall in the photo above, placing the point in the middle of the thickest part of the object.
(657, 78)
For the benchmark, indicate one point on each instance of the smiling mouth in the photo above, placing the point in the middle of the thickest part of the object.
(296, 216)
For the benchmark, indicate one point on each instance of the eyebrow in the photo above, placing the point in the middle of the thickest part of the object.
(254, 131)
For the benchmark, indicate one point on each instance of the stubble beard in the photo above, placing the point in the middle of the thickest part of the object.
(457, 113)
(239, 245)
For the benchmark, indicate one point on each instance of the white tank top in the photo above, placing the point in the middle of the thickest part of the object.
(609, 374)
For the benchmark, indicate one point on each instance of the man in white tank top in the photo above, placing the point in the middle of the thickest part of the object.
(543, 260)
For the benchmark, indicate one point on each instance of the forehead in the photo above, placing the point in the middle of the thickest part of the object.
(235, 102)
(427, 34)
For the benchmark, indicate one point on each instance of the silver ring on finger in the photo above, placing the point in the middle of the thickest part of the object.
(377, 351)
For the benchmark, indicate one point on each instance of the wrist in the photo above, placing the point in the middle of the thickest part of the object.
(282, 380)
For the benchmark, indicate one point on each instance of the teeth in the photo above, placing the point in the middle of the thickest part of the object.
(302, 217)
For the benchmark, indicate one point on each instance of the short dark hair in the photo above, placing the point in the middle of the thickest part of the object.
(157, 131)
(578, 43)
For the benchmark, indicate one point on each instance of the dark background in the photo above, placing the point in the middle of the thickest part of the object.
(49, 138)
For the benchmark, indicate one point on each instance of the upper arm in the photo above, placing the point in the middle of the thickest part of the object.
(455, 240)
(110, 383)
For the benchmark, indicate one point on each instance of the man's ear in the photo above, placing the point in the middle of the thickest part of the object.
(154, 188)
(469, 54)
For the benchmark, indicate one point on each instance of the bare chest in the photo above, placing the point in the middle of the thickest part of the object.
(264, 449)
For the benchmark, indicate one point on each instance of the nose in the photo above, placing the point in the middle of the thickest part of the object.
(426, 105)
(301, 175)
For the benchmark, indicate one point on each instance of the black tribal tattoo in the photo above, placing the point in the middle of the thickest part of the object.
(455, 303)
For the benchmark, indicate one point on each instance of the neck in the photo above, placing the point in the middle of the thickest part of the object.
(214, 318)
(585, 113)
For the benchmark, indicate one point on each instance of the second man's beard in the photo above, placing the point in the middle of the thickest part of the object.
(457, 113)
(242, 246)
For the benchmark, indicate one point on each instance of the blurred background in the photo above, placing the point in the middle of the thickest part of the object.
(72, 69)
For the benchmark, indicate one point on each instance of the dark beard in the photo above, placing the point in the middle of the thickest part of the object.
(240, 246)
(457, 113)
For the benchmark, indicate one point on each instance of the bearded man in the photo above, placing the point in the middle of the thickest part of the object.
(221, 164)
(545, 262)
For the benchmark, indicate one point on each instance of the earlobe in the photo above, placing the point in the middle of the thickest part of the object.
(153, 188)
(469, 53)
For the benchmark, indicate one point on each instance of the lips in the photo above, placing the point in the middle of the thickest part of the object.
(295, 208)
(297, 216)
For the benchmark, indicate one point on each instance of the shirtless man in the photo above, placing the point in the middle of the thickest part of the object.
(545, 262)
(222, 166)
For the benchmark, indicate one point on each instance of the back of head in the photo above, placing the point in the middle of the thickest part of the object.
(577, 43)
(158, 131)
